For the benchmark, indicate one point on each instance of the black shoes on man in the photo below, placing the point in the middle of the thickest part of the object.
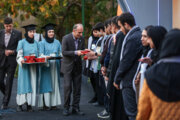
(66, 112)
(77, 111)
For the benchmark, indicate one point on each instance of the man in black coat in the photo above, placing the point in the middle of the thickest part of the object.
(9, 38)
(130, 53)
(72, 44)
(116, 102)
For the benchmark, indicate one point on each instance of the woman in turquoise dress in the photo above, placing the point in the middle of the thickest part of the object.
(27, 75)
(49, 90)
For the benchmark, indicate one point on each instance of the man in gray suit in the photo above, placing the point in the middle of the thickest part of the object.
(72, 44)
(9, 38)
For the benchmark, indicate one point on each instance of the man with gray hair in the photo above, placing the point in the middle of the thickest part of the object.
(72, 44)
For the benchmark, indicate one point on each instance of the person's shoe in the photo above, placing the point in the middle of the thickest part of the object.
(29, 108)
(46, 108)
(3, 107)
(77, 111)
(104, 114)
(19, 108)
(66, 112)
(54, 108)
(95, 104)
(93, 100)
(101, 112)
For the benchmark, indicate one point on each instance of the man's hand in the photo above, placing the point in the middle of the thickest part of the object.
(9, 52)
(116, 86)
(103, 70)
(87, 50)
(91, 55)
(79, 52)
(12, 52)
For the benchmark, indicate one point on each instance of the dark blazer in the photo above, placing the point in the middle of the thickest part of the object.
(105, 49)
(70, 60)
(128, 65)
(12, 45)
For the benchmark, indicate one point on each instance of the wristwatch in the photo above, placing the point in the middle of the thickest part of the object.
(96, 54)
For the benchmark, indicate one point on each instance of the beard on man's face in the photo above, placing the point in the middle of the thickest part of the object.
(126, 30)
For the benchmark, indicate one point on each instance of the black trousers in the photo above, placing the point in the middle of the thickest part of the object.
(130, 105)
(6, 84)
(72, 83)
(102, 90)
(94, 82)
(117, 106)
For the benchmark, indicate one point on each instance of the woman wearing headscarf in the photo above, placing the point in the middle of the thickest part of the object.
(139, 77)
(49, 88)
(160, 97)
(27, 75)
(155, 37)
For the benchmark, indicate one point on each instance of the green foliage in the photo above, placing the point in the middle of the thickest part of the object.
(62, 12)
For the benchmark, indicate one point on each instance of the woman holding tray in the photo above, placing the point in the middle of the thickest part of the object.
(49, 97)
(27, 75)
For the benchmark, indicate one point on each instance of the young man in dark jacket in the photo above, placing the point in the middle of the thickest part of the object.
(130, 53)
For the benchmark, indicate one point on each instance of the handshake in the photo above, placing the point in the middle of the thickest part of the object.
(88, 54)
(82, 52)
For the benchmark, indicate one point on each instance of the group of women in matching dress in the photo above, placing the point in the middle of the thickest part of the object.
(38, 84)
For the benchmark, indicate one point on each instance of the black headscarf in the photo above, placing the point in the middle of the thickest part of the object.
(27, 29)
(30, 40)
(171, 44)
(146, 48)
(47, 27)
(49, 40)
(164, 78)
(157, 34)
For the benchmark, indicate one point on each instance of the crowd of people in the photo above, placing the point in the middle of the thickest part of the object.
(33, 80)
(134, 74)
(38, 84)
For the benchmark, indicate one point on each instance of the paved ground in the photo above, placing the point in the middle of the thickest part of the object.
(86, 94)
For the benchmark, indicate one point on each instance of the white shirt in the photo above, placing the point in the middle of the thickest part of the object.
(7, 38)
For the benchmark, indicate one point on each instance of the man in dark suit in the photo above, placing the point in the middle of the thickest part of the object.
(72, 44)
(9, 38)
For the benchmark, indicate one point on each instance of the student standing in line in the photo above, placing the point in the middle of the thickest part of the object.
(49, 74)
(27, 75)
